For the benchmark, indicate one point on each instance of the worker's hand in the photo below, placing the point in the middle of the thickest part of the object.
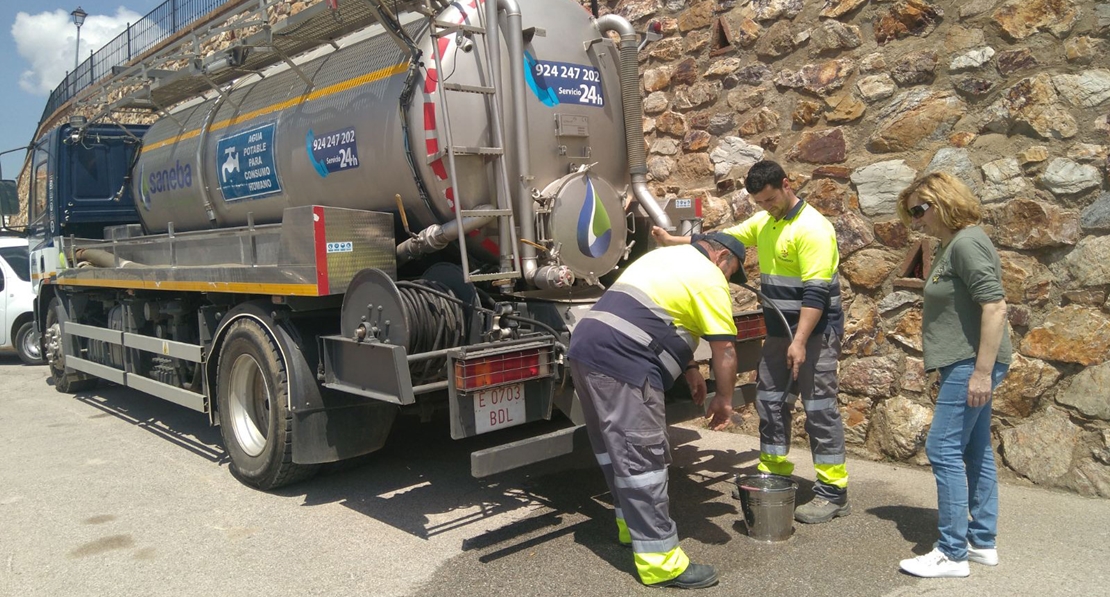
(795, 356)
(719, 412)
(978, 389)
(697, 385)
(663, 237)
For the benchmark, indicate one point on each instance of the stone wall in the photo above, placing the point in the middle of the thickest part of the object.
(856, 98)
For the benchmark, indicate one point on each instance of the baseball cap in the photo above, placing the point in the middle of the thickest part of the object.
(737, 248)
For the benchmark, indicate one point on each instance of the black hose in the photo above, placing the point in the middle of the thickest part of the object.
(436, 323)
(593, 7)
(789, 334)
(446, 295)
(765, 301)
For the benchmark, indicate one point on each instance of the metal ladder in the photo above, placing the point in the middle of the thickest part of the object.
(495, 151)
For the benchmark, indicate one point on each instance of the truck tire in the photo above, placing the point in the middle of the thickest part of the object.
(27, 344)
(253, 399)
(66, 380)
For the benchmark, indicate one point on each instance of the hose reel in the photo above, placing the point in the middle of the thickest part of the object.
(424, 315)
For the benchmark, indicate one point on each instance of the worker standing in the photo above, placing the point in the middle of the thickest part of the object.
(798, 261)
(635, 342)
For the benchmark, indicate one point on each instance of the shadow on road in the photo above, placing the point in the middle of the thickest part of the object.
(420, 482)
(9, 357)
(917, 525)
(178, 425)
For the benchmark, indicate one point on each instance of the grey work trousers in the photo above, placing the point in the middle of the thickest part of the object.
(817, 386)
(628, 433)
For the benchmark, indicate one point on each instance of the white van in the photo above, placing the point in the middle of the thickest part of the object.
(17, 299)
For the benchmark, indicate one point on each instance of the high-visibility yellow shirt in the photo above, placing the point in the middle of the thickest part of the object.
(798, 262)
(645, 327)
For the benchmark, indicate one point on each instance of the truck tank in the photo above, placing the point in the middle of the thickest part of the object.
(359, 126)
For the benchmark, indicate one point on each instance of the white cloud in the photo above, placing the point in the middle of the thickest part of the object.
(47, 41)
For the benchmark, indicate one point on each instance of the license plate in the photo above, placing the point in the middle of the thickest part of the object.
(497, 408)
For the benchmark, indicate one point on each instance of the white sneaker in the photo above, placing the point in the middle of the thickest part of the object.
(987, 556)
(935, 565)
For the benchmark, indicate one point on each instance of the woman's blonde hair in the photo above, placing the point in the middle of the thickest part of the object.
(956, 205)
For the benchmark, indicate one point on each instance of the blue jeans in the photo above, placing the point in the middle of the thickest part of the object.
(959, 448)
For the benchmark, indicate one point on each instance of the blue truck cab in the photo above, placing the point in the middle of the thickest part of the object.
(80, 183)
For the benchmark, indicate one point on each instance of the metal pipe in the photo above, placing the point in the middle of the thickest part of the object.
(634, 117)
(424, 356)
(504, 193)
(514, 40)
(429, 387)
(550, 277)
(437, 236)
(100, 258)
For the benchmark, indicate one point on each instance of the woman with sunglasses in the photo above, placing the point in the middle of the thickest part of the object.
(966, 341)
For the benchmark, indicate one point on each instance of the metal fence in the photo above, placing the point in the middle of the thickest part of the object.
(158, 25)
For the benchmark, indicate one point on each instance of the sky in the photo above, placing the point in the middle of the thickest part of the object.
(37, 45)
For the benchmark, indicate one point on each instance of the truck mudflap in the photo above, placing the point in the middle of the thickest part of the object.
(326, 426)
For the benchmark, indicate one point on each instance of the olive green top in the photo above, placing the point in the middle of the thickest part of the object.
(965, 274)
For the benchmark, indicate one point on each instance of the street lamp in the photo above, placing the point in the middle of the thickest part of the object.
(78, 19)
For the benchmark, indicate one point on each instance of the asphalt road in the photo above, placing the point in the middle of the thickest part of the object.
(115, 493)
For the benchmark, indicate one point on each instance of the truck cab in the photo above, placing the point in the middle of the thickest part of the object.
(80, 183)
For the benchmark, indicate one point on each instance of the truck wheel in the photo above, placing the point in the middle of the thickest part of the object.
(253, 399)
(27, 344)
(66, 380)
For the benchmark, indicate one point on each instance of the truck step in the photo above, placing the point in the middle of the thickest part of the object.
(469, 88)
(475, 150)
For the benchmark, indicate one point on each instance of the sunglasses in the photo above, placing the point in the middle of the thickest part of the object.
(918, 211)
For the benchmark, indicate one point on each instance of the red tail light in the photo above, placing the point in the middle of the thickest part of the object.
(509, 367)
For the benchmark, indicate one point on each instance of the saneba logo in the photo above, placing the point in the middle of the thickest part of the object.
(594, 229)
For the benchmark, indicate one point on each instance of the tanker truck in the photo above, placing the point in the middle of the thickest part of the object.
(405, 223)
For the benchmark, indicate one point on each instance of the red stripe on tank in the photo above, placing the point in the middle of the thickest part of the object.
(429, 116)
(439, 170)
(321, 242)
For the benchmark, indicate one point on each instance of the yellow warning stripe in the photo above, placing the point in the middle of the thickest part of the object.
(323, 92)
(229, 287)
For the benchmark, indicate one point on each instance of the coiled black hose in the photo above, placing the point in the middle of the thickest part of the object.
(436, 321)
(446, 294)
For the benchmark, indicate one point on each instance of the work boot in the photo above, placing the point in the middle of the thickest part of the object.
(821, 510)
(696, 576)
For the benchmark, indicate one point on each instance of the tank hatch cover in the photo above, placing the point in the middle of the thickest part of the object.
(587, 224)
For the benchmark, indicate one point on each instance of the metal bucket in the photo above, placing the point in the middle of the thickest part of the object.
(767, 502)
